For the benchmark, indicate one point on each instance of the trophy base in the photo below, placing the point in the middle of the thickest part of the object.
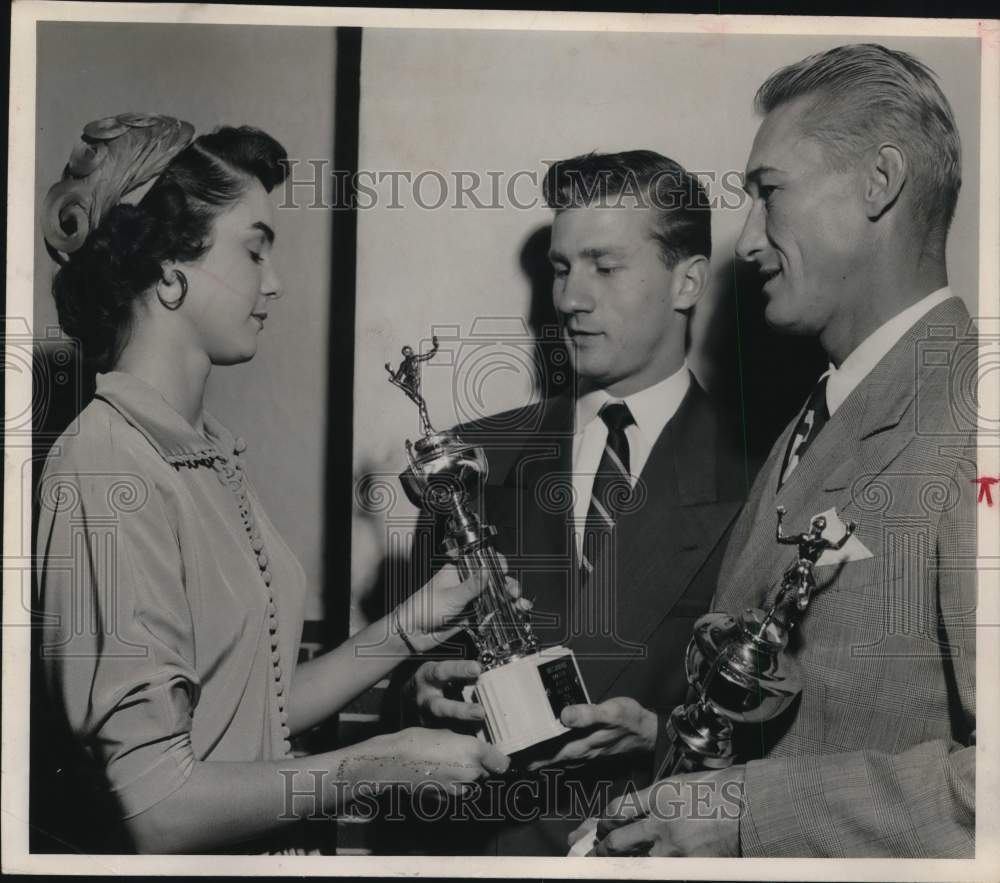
(522, 699)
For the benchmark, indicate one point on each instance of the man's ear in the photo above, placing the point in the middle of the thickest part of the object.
(884, 180)
(689, 281)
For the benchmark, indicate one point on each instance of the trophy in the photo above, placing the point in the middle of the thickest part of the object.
(737, 666)
(522, 690)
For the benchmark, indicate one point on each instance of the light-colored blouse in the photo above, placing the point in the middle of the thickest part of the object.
(173, 609)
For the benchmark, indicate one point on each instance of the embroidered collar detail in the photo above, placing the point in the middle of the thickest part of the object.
(174, 439)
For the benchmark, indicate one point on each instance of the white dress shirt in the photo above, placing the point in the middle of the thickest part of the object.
(867, 354)
(651, 407)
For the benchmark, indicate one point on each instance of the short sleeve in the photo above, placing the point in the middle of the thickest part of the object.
(117, 643)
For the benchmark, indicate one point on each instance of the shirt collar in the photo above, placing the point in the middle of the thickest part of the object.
(176, 440)
(651, 407)
(856, 367)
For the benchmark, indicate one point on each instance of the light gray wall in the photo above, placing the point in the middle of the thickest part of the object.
(507, 101)
(281, 80)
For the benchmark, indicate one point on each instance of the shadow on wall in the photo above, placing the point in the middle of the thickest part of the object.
(551, 359)
(753, 371)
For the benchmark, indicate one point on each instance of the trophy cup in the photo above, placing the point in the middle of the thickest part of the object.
(521, 689)
(737, 665)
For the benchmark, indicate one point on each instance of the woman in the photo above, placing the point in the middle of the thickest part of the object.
(173, 608)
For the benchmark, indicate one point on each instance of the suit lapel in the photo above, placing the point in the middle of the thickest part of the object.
(870, 429)
(661, 544)
(533, 501)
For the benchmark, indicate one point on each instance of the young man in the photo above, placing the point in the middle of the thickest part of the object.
(612, 505)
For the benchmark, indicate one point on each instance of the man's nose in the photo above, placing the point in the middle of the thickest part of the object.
(752, 238)
(572, 294)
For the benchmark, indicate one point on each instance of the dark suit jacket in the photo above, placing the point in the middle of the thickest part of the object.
(667, 553)
(878, 757)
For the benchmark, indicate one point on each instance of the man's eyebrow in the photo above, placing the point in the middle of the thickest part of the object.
(265, 229)
(756, 173)
(595, 252)
(592, 252)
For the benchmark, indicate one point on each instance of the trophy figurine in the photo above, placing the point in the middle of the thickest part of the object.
(737, 665)
(522, 689)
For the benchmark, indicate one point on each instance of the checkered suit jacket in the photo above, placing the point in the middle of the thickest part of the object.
(877, 757)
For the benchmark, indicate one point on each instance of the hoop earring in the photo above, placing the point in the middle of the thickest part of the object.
(174, 304)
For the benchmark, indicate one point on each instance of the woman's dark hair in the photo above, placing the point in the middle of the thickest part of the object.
(96, 289)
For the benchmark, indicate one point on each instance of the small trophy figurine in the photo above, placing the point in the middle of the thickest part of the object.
(407, 378)
(522, 690)
(737, 664)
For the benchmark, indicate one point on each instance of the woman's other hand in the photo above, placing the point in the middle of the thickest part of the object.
(418, 755)
(441, 607)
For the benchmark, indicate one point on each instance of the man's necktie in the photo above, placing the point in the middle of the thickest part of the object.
(612, 484)
(810, 423)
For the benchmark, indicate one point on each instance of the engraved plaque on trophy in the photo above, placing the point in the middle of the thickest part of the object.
(522, 689)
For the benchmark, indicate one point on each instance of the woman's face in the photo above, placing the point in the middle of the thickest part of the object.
(231, 285)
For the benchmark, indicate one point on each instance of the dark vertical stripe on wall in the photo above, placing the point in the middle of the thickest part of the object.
(340, 413)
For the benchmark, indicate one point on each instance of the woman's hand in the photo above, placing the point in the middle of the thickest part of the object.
(439, 609)
(417, 755)
(437, 688)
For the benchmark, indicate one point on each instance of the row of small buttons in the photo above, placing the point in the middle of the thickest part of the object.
(231, 474)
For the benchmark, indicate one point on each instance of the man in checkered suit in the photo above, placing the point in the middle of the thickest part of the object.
(853, 178)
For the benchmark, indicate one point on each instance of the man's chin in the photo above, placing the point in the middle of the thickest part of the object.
(587, 369)
(779, 318)
(793, 326)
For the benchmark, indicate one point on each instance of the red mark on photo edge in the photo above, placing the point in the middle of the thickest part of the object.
(985, 483)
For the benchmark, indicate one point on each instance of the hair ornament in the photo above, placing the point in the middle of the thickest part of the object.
(114, 156)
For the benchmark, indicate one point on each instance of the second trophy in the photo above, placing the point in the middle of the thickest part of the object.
(522, 688)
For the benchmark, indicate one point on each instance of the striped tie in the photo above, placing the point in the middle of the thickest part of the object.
(612, 484)
(810, 423)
